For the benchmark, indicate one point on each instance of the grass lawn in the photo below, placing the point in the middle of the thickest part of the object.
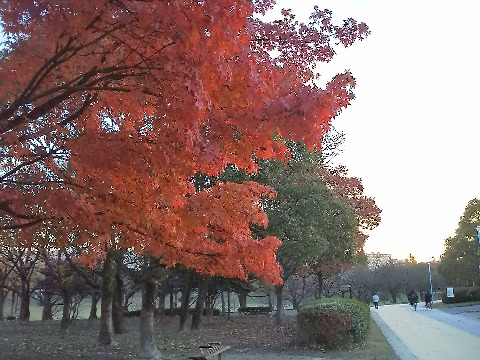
(441, 305)
(245, 334)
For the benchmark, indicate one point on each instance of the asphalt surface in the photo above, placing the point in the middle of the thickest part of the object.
(448, 334)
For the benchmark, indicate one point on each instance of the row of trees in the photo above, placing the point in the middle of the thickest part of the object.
(318, 222)
(460, 262)
(392, 280)
(68, 283)
(116, 129)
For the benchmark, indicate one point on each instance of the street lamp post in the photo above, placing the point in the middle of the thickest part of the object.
(478, 234)
(478, 243)
(430, 278)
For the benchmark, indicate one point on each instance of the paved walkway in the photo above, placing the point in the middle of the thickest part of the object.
(425, 334)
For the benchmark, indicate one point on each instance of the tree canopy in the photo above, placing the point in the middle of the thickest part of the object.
(460, 261)
(109, 108)
(312, 222)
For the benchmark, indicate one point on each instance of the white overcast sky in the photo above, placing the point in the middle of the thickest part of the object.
(413, 132)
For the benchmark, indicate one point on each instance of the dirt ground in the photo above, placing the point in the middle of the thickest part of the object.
(245, 334)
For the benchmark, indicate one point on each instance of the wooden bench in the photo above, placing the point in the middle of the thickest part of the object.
(210, 351)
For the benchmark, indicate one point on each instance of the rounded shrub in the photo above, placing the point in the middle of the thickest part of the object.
(333, 323)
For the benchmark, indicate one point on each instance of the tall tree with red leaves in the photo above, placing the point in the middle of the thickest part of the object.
(109, 107)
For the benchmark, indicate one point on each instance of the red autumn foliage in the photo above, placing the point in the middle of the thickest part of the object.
(109, 107)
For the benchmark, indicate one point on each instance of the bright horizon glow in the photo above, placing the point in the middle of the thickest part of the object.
(412, 132)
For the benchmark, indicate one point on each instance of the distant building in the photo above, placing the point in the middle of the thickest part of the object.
(375, 260)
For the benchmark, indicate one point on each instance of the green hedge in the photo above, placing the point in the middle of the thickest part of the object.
(333, 323)
(462, 294)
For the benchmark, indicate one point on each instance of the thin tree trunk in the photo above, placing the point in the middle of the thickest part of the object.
(210, 302)
(2, 301)
(3, 277)
(202, 294)
(162, 295)
(24, 304)
(184, 306)
(67, 302)
(93, 307)
(228, 303)
(242, 298)
(47, 306)
(279, 312)
(105, 334)
(12, 305)
(172, 306)
(222, 296)
(295, 302)
(320, 283)
(149, 349)
(117, 304)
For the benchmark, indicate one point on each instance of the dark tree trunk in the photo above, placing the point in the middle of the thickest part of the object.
(202, 294)
(3, 278)
(2, 301)
(295, 302)
(184, 307)
(12, 304)
(128, 294)
(222, 296)
(228, 303)
(242, 298)
(105, 334)
(279, 312)
(24, 304)
(210, 302)
(320, 284)
(149, 349)
(67, 303)
(93, 307)
(117, 304)
(172, 306)
(162, 295)
(47, 313)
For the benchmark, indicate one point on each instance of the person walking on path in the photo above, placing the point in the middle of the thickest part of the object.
(428, 300)
(375, 299)
(413, 299)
